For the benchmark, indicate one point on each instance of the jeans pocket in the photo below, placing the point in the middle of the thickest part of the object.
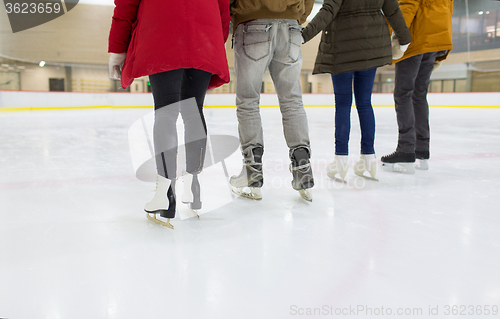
(295, 42)
(256, 40)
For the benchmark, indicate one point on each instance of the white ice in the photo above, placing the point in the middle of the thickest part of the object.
(75, 241)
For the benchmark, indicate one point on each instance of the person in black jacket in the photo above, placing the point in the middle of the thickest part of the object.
(355, 41)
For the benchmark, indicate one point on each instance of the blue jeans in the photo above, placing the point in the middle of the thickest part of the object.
(363, 86)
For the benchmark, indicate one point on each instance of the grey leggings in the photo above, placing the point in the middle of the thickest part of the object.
(179, 91)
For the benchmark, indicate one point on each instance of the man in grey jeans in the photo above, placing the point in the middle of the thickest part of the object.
(268, 35)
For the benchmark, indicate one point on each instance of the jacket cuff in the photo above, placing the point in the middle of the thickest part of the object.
(117, 48)
(305, 35)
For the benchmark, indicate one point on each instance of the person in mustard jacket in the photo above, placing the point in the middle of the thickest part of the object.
(431, 32)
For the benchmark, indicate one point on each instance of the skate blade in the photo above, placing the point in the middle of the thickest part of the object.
(254, 192)
(194, 212)
(404, 168)
(422, 165)
(157, 221)
(306, 194)
(337, 179)
(367, 177)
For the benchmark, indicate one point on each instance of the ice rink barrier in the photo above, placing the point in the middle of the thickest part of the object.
(31, 100)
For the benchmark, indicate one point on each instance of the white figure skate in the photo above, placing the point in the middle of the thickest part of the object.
(192, 192)
(160, 204)
(367, 163)
(338, 167)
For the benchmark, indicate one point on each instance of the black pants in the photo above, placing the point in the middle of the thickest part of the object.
(413, 76)
(179, 91)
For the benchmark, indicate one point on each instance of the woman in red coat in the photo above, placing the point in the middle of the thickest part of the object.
(180, 45)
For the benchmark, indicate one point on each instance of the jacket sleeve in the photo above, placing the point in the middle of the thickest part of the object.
(124, 16)
(409, 9)
(322, 19)
(309, 4)
(396, 20)
(445, 54)
(225, 17)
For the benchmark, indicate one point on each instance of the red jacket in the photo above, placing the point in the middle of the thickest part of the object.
(164, 35)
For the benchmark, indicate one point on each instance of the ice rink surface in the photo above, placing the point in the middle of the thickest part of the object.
(75, 241)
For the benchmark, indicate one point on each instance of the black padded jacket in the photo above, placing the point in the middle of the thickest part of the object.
(355, 34)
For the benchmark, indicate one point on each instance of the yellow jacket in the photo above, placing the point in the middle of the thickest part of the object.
(430, 25)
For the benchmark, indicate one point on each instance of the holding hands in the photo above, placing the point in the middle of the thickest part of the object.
(397, 50)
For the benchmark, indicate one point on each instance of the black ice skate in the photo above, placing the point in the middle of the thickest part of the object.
(422, 157)
(399, 162)
(163, 202)
(250, 180)
(302, 173)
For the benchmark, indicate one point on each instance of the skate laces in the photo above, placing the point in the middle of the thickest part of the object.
(251, 163)
(300, 167)
(392, 154)
(157, 182)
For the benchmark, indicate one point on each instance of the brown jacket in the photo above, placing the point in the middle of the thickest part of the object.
(246, 10)
(355, 35)
(430, 26)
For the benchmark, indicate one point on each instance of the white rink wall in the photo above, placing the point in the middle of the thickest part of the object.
(19, 100)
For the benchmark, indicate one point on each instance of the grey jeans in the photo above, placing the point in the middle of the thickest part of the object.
(273, 44)
(410, 97)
